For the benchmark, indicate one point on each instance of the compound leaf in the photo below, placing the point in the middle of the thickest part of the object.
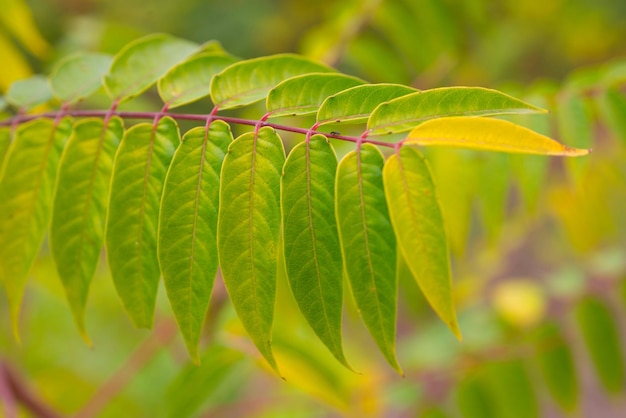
(249, 230)
(79, 210)
(305, 93)
(78, 76)
(311, 240)
(26, 193)
(191, 80)
(249, 81)
(368, 244)
(188, 227)
(354, 105)
(142, 62)
(488, 134)
(29, 92)
(131, 229)
(406, 112)
(418, 224)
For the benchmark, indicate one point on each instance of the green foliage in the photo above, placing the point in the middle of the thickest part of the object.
(182, 209)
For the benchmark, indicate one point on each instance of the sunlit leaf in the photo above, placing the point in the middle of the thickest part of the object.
(188, 227)
(368, 244)
(488, 134)
(142, 62)
(355, 104)
(249, 229)
(26, 194)
(305, 93)
(556, 363)
(249, 81)
(78, 76)
(418, 224)
(137, 180)
(28, 93)
(79, 211)
(406, 112)
(191, 80)
(311, 240)
(602, 339)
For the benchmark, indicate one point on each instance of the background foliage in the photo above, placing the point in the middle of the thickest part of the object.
(538, 244)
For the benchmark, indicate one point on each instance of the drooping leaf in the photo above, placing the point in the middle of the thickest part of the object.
(305, 93)
(188, 227)
(29, 92)
(191, 80)
(208, 386)
(354, 105)
(311, 240)
(368, 244)
(473, 400)
(139, 169)
(250, 81)
(601, 336)
(249, 229)
(404, 113)
(612, 108)
(488, 134)
(418, 224)
(26, 193)
(78, 76)
(142, 62)
(511, 390)
(79, 210)
(556, 363)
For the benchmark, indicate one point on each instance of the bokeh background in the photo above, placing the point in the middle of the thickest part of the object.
(538, 244)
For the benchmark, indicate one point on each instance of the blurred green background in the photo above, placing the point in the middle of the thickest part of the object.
(538, 243)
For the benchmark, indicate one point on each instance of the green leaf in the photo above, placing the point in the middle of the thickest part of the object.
(493, 192)
(249, 229)
(368, 244)
(510, 388)
(575, 127)
(137, 181)
(78, 76)
(556, 363)
(79, 211)
(188, 226)
(305, 93)
(5, 141)
(3, 103)
(602, 339)
(250, 81)
(488, 134)
(406, 112)
(142, 62)
(26, 191)
(612, 108)
(418, 224)
(191, 80)
(355, 104)
(28, 93)
(197, 389)
(473, 400)
(311, 240)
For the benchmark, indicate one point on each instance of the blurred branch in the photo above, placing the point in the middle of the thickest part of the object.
(163, 333)
(14, 391)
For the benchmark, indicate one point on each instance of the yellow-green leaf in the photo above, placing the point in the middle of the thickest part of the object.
(418, 224)
(488, 134)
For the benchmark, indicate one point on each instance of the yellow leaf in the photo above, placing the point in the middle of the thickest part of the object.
(488, 134)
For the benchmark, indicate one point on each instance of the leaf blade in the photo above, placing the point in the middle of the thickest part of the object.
(26, 193)
(311, 90)
(29, 92)
(249, 81)
(368, 244)
(406, 112)
(78, 76)
(79, 209)
(311, 239)
(250, 208)
(418, 225)
(188, 227)
(488, 134)
(139, 168)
